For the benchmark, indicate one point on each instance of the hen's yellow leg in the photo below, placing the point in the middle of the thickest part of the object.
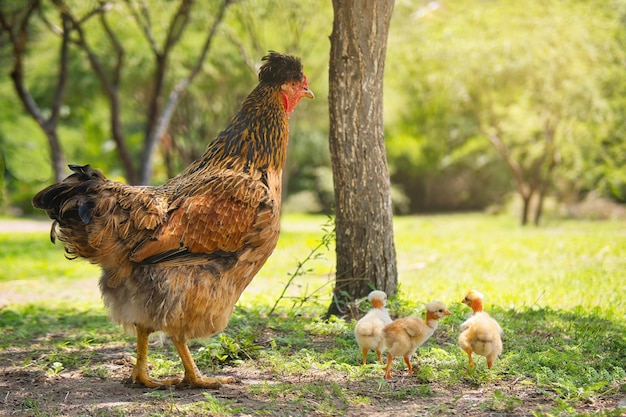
(140, 373)
(192, 377)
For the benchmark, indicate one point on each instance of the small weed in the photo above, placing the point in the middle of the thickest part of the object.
(215, 406)
(572, 413)
(101, 372)
(319, 397)
(501, 402)
(414, 391)
(224, 349)
(55, 368)
(31, 404)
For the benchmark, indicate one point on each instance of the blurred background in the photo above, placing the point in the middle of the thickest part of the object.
(490, 105)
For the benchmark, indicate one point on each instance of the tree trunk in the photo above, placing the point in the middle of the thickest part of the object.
(366, 257)
(526, 199)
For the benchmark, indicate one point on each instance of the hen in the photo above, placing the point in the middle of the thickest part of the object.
(369, 329)
(480, 334)
(404, 335)
(176, 257)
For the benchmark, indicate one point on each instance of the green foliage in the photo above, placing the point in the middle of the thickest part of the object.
(451, 70)
(501, 402)
(516, 72)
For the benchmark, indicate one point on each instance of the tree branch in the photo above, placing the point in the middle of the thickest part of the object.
(119, 51)
(18, 35)
(110, 84)
(177, 26)
(157, 124)
(183, 84)
(517, 171)
(145, 24)
(59, 92)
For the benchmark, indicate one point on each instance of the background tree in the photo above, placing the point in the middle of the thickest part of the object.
(108, 66)
(459, 72)
(15, 22)
(528, 80)
(366, 257)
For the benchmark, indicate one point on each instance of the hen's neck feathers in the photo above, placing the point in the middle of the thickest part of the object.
(256, 137)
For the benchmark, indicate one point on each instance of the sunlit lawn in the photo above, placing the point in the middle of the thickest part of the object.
(558, 291)
(560, 265)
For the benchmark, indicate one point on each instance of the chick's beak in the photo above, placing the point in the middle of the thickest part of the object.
(447, 313)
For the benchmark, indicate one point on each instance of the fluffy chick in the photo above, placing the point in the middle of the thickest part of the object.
(480, 334)
(369, 330)
(404, 335)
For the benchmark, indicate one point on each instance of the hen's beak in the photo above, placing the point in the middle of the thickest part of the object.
(308, 93)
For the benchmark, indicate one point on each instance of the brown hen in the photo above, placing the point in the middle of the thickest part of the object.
(176, 257)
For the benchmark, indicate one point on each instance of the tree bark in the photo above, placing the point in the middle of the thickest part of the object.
(366, 257)
(110, 82)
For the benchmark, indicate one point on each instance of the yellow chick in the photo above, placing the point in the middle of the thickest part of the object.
(404, 335)
(369, 330)
(480, 334)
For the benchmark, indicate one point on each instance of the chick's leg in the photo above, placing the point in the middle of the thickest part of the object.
(407, 360)
(364, 351)
(388, 368)
(380, 356)
(468, 350)
(140, 372)
(192, 377)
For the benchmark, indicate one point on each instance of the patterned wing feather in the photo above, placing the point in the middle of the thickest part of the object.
(210, 222)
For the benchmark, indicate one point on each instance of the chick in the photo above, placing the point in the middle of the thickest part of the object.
(404, 335)
(369, 330)
(480, 333)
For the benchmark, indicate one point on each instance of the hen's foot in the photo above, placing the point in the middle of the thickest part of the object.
(204, 382)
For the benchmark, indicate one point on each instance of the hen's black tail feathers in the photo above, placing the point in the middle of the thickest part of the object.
(54, 198)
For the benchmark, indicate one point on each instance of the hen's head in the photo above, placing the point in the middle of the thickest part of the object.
(285, 71)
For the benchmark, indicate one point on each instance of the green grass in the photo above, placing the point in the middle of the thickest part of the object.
(558, 291)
